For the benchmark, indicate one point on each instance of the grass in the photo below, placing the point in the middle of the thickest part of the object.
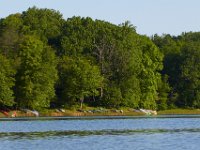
(179, 112)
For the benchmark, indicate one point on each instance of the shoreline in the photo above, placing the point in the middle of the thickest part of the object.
(108, 113)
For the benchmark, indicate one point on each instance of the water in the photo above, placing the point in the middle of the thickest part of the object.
(101, 133)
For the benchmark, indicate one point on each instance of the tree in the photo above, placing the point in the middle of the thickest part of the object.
(6, 82)
(77, 36)
(36, 75)
(10, 28)
(164, 90)
(79, 79)
(45, 23)
(171, 49)
(189, 83)
(150, 73)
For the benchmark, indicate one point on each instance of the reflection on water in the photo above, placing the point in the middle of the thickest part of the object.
(101, 133)
(32, 135)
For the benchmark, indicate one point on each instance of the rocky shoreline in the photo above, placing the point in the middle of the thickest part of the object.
(94, 112)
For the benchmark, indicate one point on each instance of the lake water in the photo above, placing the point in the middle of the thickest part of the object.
(101, 133)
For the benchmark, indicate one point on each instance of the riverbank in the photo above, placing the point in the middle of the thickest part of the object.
(89, 111)
(97, 112)
(180, 112)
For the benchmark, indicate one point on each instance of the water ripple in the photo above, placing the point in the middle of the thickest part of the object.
(32, 135)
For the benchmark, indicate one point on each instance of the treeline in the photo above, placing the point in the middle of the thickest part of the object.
(48, 61)
(181, 68)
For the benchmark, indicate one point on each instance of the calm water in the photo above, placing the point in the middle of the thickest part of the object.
(113, 133)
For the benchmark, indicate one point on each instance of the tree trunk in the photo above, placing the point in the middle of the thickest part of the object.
(81, 100)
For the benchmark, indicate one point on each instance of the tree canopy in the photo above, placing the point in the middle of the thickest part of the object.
(45, 58)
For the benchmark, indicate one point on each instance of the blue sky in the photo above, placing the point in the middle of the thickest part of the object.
(149, 16)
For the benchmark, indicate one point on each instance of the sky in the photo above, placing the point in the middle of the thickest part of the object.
(149, 16)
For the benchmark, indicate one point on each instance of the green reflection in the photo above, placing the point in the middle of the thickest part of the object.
(49, 134)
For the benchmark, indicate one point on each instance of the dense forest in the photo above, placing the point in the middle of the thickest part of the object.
(47, 61)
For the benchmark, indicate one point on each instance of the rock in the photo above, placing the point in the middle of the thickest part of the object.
(90, 111)
(148, 112)
(36, 113)
(14, 114)
(136, 110)
(154, 112)
(62, 110)
(57, 110)
(116, 111)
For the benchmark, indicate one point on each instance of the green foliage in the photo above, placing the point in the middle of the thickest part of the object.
(131, 92)
(10, 28)
(77, 36)
(79, 79)
(36, 75)
(112, 47)
(190, 75)
(6, 82)
(181, 56)
(113, 97)
(163, 93)
(150, 76)
(98, 61)
(45, 23)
